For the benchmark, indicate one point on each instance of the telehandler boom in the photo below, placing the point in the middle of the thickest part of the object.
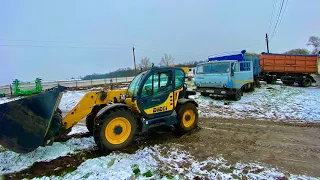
(155, 97)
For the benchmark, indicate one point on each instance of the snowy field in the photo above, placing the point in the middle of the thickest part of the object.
(161, 163)
(154, 162)
(270, 102)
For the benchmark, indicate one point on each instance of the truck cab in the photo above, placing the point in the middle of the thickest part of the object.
(224, 78)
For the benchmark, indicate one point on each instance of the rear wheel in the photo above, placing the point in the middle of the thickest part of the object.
(187, 115)
(204, 94)
(271, 79)
(237, 95)
(288, 82)
(115, 130)
(306, 82)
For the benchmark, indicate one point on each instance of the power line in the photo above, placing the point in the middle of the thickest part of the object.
(273, 13)
(279, 17)
(285, 7)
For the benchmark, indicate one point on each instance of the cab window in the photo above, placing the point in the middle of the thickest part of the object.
(157, 83)
(179, 78)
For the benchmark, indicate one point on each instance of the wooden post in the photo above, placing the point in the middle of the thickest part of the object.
(10, 89)
(267, 41)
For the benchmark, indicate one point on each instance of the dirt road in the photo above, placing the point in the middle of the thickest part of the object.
(293, 148)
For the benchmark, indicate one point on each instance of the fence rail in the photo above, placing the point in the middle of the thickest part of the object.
(73, 84)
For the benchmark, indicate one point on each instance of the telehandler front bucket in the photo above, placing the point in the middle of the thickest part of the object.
(26, 124)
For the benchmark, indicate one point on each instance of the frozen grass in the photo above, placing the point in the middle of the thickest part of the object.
(12, 162)
(274, 102)
(169, 163)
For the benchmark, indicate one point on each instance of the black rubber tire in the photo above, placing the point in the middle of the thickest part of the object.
(306, 82)
(290, 83)
(90, 118)
(101, 124)
(271, 80)
(257, 82)
(237, 95)
(180, 127)
(205, 94)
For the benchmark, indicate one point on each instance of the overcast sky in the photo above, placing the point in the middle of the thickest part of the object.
(60, 39)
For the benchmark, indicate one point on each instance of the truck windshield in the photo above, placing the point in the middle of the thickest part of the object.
(133, 87)
(213, 68)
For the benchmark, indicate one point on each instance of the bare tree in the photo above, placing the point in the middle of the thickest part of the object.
(298, 51)
(315, 42)
(167, 60)
(145, 64)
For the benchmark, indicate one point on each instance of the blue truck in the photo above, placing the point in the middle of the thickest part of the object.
(228, 76)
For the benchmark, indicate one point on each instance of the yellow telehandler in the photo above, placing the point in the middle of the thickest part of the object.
(155, 97)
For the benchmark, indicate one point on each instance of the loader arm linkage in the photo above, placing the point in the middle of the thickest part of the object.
(88, 101)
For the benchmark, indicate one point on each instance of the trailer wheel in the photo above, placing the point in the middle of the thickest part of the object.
(288, 82)
(204, 94)
(237, 95)
(306, 82)
(271, 80)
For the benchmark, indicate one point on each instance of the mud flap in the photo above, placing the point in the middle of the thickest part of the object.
(26, 123)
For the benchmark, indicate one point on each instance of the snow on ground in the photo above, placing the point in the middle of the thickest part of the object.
(6, 99)
(162, 163)
(276, 102)
(78, 129)
(12, 162)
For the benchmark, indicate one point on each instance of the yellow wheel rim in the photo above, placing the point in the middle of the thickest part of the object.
(188, 118)
(118, 130)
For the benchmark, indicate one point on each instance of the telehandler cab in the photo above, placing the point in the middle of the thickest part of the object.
(155, 97)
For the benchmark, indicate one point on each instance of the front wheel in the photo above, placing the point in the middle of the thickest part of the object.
(115, 130)
(187, 115)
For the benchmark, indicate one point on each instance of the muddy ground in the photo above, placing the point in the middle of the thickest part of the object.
(293, 148)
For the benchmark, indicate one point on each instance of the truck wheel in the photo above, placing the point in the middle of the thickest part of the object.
(115, 129)
(187, 115)
(306, 82)
(271, 80)
(288, 83)
(204, 94)
(257, 82)
(237, 95)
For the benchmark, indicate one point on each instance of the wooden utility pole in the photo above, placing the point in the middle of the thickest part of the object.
(134, 60)
(267, 41)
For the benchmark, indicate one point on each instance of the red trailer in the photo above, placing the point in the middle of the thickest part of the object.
(288, 68)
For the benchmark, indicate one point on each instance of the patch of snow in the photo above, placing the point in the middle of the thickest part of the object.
(70, 99)
(12, 162)
(276, 102)
(78, 129)
(6, 99)
(169, 163)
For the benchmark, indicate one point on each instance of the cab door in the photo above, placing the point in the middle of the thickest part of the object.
(155, 95)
